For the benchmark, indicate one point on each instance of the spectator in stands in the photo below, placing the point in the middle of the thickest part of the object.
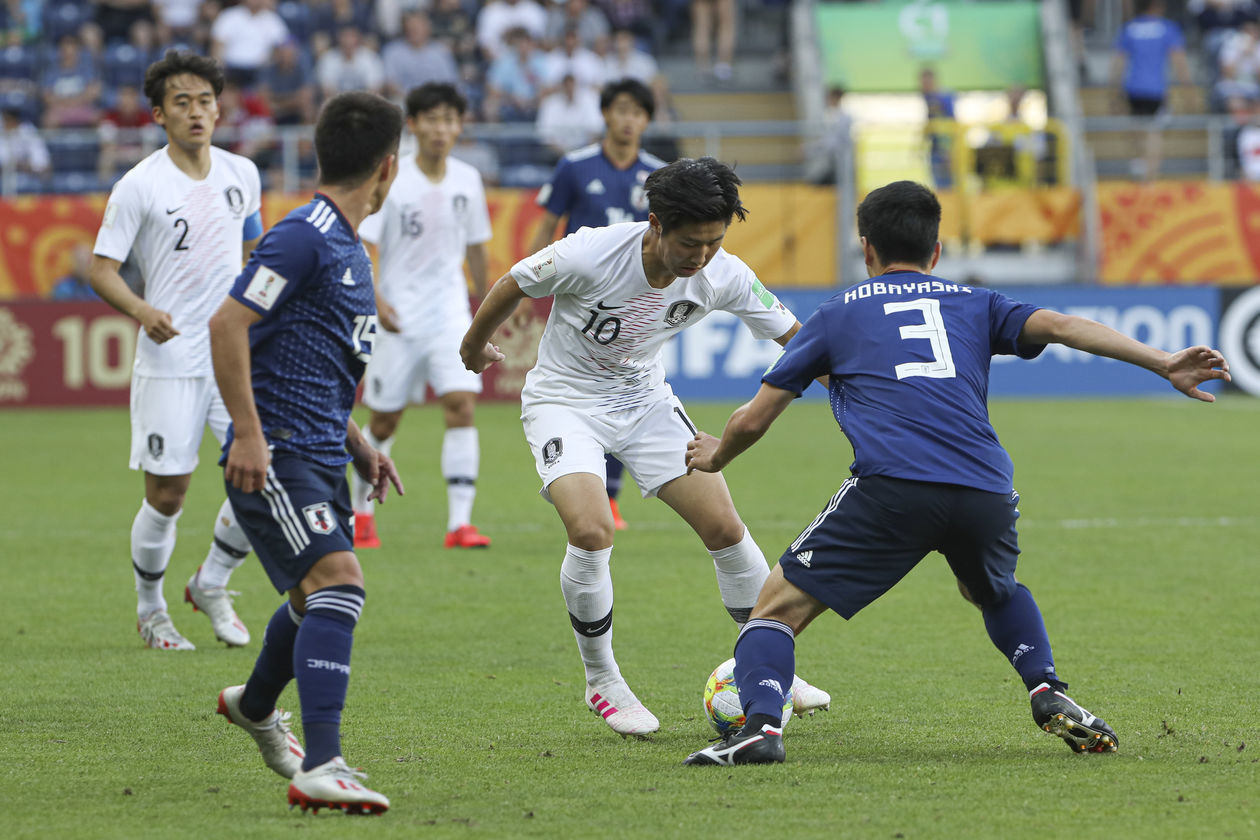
(1145, 47)
(1217, 20)
(115, 17)
(1249, 144)
(570, 58)
(415, 58)
(626, 60)
(833, 152)
(499, 18)
(1238, 82)
(21, 147)
(635, 15)
(177, 19)
(286, 86)
(243, 37)
(351, 65)
(75, 285)
(940, 129)
(327, 17)
(124, 143)
(477, 153)
(453, 26)
(245, 125)
(590, 21)
(569, 118)
(515, 79)
(660, 138)
(713, 20)
(71, 87)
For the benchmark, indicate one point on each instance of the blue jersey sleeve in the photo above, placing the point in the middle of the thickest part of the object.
(287, 258)
(1006, 322)
(806, 358)
(253, 227)
(559, 198)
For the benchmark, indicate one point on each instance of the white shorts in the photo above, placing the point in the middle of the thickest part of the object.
(402, 366)
(168, 417)
(651, 442)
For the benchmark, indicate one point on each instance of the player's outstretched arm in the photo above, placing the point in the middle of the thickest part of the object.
(109, 284)
(1186, 369)
(373, 466)
(248, 456)
(744, 428)
(476, 350)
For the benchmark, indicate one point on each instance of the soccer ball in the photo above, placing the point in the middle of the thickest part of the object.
(721, 700)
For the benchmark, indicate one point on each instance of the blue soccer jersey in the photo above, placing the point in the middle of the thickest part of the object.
(591, 192)
(311, 280)
(908, 355)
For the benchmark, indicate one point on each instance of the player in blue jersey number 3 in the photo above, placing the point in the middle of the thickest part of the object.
(908, 359)
(290, 344)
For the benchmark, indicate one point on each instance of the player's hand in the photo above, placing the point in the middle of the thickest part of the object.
(247, 462)
(157, 324)
(378, 470)
(700, 454)
(387, 316)
(1190, 368)
(478, 360)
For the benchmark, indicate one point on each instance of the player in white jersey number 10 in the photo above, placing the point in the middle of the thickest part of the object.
(187, 216)
(620, 292)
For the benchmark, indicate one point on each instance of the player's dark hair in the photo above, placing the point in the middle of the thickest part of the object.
(353, 135)
(902, 221)
(175, 63)
(689, 191)
(431, 95)
(636, 90)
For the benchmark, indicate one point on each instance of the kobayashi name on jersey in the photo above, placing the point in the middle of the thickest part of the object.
(881, 288)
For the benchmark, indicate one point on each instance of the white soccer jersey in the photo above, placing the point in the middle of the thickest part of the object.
(423, 231)
(185, 237)
(601, 349)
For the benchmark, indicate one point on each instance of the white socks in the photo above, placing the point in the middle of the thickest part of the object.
(227, 551)
(588, 595)
(461, 461)
(360, 489)
(741, 571)
(152, 542)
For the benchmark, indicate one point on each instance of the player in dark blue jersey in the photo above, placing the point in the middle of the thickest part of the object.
(602, 184)
(289, 345)
(908, 355)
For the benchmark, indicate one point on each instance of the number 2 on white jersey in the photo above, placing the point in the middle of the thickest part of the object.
(932, 330)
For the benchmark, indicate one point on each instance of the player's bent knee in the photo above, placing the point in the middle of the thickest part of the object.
(591, 536)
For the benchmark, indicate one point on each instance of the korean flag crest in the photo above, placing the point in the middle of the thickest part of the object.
(319, 518)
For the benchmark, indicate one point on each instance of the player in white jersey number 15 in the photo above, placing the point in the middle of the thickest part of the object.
(620, 292)
(187, 215)
(434, 219)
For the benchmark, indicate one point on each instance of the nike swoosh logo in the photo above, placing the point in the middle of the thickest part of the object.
(176, 210)
(606, 308)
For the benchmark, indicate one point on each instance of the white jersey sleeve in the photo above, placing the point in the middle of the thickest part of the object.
(562, 268)
(124, 212)
(744, 296)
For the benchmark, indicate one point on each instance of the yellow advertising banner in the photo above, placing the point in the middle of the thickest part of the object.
(1180, 232)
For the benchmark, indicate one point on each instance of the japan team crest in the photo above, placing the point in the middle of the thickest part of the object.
(319, 518)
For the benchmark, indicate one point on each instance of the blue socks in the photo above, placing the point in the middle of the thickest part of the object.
(321, 663)
(765, 662)
(274, 667)
(1016, 628)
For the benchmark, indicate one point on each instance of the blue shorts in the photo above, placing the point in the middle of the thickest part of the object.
(876, 529)
(302, 514)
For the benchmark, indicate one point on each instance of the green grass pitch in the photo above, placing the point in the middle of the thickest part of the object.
(1139, 536)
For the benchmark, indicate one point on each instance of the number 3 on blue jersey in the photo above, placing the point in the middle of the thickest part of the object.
(364, 332)
(932, 330)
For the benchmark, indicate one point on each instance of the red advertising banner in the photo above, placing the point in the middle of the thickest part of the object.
(80, 354)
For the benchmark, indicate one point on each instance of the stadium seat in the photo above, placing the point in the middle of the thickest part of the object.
(77, 182)
(123, 64)
(297, 17)
(62, 17)
(73, 152)
(17, 62)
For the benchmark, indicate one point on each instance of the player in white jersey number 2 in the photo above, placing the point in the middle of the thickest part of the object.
(187, 215)
(434, 219)
(599, 388)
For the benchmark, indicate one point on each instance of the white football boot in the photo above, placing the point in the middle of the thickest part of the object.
(216, 603)
(280, 748)
(335, 785)
(806, 699)
(620, 709)
(158, 631)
